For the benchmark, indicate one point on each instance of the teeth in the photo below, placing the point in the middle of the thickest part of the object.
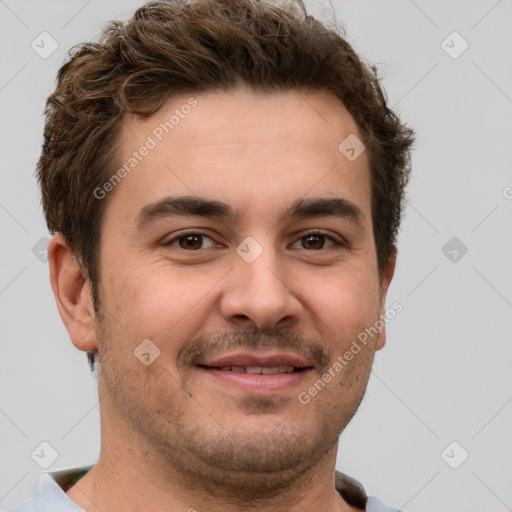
(262, 370)
(254, 369)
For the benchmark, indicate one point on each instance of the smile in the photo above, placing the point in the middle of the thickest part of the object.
(257, 370)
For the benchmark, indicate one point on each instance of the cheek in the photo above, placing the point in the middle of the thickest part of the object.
(159, 304)
(348, 302)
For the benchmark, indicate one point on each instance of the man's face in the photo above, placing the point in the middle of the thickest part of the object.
(249, 311)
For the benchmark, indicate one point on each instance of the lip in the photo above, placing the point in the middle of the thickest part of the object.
(257, 384)
(264, 359)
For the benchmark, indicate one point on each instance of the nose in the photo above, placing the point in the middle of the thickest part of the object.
(260, 293)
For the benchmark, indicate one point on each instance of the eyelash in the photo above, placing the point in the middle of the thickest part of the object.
(340, 243)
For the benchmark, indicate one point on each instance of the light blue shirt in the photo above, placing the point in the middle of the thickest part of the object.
(50, 495)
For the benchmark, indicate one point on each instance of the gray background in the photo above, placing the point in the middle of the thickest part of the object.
(444, 375)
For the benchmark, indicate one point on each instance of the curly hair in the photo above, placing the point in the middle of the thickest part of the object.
(194, 46)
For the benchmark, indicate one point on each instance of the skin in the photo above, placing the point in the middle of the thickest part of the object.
(174, 437)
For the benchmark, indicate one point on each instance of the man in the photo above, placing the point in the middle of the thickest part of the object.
(224, 183)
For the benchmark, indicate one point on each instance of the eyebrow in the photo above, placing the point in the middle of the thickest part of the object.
(210, 208)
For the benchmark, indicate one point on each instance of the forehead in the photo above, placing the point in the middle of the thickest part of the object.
(243, 148)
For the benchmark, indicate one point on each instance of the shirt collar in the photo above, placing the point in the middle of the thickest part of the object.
(349, 488)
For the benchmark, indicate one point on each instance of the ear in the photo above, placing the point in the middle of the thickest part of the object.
(72, 291)
(384, 285)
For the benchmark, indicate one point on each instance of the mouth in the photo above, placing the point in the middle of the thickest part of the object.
(256, 370)
(257, 374)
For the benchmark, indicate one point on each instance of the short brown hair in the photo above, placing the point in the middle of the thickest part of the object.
(197, 46)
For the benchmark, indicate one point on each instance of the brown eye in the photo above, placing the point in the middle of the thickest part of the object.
(189, 241)
(313, 241)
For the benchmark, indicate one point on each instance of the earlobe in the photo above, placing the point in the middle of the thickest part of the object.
(72, 291)
(384, 285)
